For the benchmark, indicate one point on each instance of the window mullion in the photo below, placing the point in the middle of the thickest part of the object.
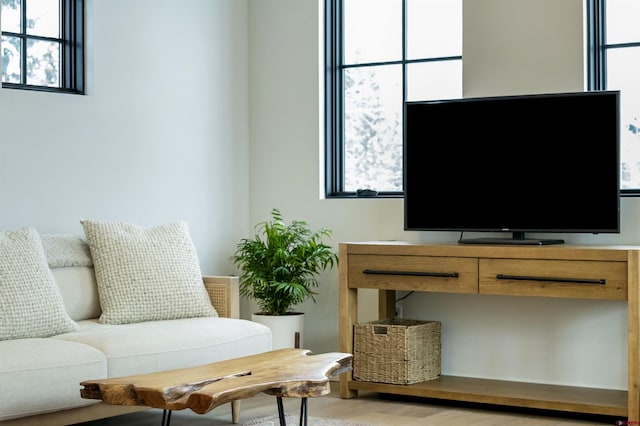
(23, 42)
(596, 39)
(404, 75)
(338, 140)
(332, 91)
(404, 53)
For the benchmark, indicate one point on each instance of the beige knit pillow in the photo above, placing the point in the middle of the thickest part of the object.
(30, 302)
(146, 274)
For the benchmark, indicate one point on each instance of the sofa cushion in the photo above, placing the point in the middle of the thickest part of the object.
(148, 347)
(77, 285)
(146, 274)
(43, 375)
(30, 302)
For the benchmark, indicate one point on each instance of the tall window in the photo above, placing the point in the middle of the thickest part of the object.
(616, 66)
(381, 53)
(42, 45)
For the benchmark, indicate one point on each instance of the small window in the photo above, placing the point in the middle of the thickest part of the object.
(42, 45)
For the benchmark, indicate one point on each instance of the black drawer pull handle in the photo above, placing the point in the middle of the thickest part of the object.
(411, 273)
(549, 279)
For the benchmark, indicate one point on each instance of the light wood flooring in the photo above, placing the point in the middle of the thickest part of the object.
(369, 408)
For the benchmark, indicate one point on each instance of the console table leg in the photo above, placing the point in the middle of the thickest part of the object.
(283, 421)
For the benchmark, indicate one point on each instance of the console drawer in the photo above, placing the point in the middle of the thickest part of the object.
(419, 273)
(554, 278)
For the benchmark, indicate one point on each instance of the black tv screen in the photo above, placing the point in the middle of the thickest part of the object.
(519, 164)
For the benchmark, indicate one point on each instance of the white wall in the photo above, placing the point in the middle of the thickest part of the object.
(522, 46)
(162, 134)
(559, 341)
(175, 95)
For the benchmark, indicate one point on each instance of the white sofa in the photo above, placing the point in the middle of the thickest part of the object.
(39, 377)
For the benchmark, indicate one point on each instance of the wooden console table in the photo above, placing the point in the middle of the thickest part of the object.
(585, 272)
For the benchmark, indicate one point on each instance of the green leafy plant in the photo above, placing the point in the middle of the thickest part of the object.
(280, 264)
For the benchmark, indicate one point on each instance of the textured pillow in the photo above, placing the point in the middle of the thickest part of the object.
(64, 250)
(146, 274)
(30, 302)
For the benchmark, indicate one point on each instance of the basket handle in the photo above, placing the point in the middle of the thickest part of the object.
(379, 330)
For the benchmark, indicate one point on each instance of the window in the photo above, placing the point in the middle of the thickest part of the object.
(42, 45)
(615, 65)
(381, 53)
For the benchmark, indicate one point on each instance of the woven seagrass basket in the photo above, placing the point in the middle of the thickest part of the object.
(397, 351)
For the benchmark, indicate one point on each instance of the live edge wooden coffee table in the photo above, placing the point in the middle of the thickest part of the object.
(293, 373)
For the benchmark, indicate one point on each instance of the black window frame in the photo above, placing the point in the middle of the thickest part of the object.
(71, 42)
(333, 125)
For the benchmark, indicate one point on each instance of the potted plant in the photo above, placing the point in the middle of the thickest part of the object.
(279, 268)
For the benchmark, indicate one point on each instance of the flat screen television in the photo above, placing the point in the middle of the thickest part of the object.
(543, 163)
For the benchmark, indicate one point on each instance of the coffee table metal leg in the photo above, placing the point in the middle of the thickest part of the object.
(303, 412)
(283, 422)
(166, 417)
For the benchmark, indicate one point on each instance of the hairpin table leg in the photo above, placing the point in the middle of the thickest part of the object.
(283, 422)
(303, 412)
(166, 417)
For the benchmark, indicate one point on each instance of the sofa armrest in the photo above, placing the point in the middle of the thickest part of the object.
(224, 294)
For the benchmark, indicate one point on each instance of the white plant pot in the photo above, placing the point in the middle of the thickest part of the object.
(283, 328)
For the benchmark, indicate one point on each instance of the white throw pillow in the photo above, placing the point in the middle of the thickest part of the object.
(146, 274)
(30, 302)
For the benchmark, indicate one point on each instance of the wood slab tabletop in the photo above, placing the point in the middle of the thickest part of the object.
(283, 372)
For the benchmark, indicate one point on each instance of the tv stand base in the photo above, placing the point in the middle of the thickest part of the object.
(510, 241)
